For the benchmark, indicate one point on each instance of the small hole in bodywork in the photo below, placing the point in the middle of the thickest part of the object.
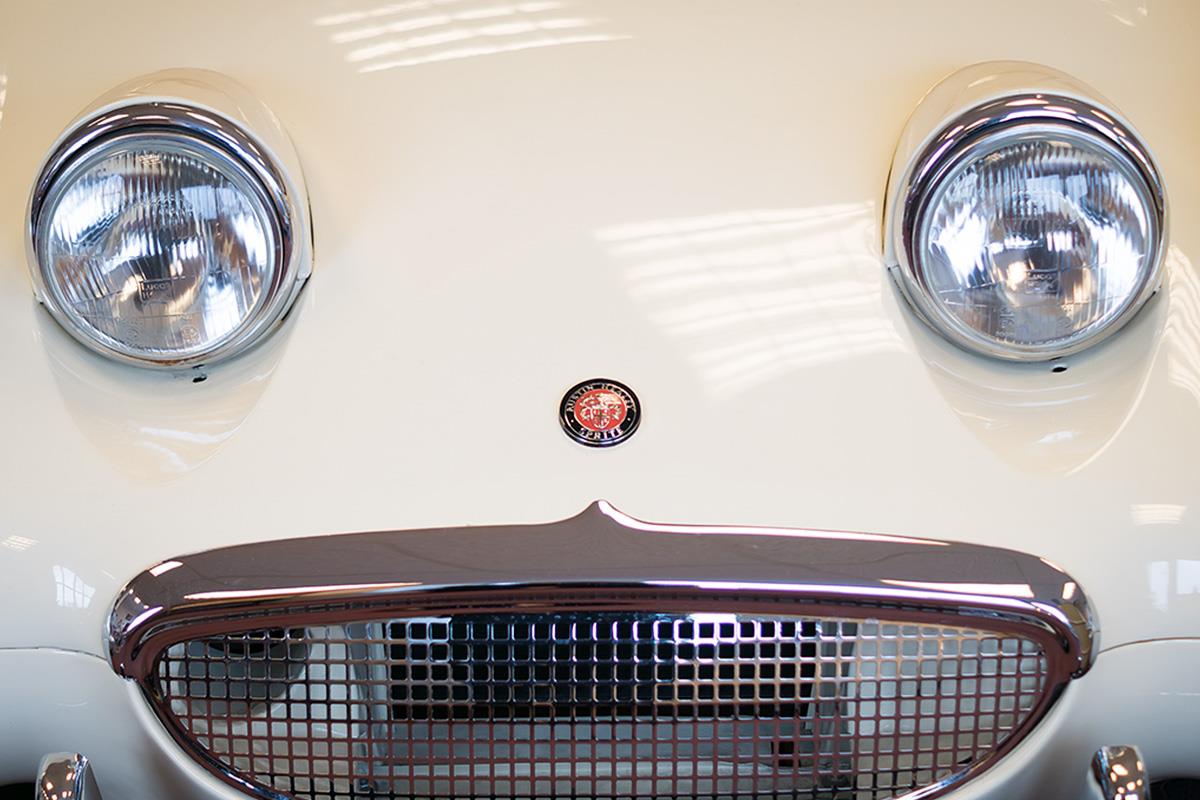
(200, 379)
(1057, 368)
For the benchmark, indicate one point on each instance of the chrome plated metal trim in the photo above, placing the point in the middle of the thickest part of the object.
(915, 174)
(1121, 773)
(209, 130)
(66, 776)
(600, 560)
(237, 588)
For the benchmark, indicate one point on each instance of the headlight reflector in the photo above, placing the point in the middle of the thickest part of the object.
(1033, 236)
(164, 243)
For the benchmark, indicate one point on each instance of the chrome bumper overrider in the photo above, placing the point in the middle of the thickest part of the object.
(65, 776)
(1121, 772)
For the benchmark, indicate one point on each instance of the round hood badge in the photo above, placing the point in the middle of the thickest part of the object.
(600, 412)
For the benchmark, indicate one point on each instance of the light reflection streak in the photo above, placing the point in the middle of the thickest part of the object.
(388, 10)
(3, 94)
(430, 31)
(999, 589)
(1187, 577)
(1183, 323)
(70, 590)
(1052, 611)
(1156, 513)
(436, 20)
(896, 594)
(170, 457)
(291, 591)
(142, 617)
(629, 522)
(18, 543)
(462, 34)
(191, 437)
(471, 52)
(1127, 12)
(754, 294)
(666, 235)
(1182, 574)
(1158, 576)
(165, 567)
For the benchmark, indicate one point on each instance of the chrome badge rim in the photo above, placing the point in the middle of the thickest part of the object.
(599, 412)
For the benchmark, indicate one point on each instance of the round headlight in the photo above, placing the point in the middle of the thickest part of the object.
(1033, 228)
(163, 237)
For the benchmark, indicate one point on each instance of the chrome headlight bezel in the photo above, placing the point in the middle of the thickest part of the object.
(970, 127)
(205, 131)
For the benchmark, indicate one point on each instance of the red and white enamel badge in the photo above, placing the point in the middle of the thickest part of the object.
(600, 412)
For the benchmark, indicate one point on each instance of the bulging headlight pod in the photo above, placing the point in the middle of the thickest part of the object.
(1030, 226)
(164, 235)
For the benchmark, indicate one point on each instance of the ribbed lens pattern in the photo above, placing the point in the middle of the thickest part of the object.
(602, 705)
(1038, 239)
(159, 247)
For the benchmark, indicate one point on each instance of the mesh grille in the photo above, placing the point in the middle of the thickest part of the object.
(602, 705)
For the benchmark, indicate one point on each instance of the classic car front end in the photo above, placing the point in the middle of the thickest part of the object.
(602, 399)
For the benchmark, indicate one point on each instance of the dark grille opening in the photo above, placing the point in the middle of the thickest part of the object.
(615, 665)
(601, 705)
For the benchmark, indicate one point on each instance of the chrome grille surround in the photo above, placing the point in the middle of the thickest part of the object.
(864, 688)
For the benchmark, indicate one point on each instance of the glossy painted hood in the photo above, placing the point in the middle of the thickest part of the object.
(511, 197)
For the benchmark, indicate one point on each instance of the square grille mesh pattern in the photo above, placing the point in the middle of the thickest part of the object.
(601, 705)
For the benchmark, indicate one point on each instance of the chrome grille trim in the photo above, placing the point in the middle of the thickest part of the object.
(601, 562)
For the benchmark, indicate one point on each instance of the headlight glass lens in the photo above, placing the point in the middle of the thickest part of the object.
(1036, 239)
(158, 246)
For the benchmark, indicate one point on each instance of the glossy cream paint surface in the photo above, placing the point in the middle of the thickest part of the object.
(509, 198)
(684, 195)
